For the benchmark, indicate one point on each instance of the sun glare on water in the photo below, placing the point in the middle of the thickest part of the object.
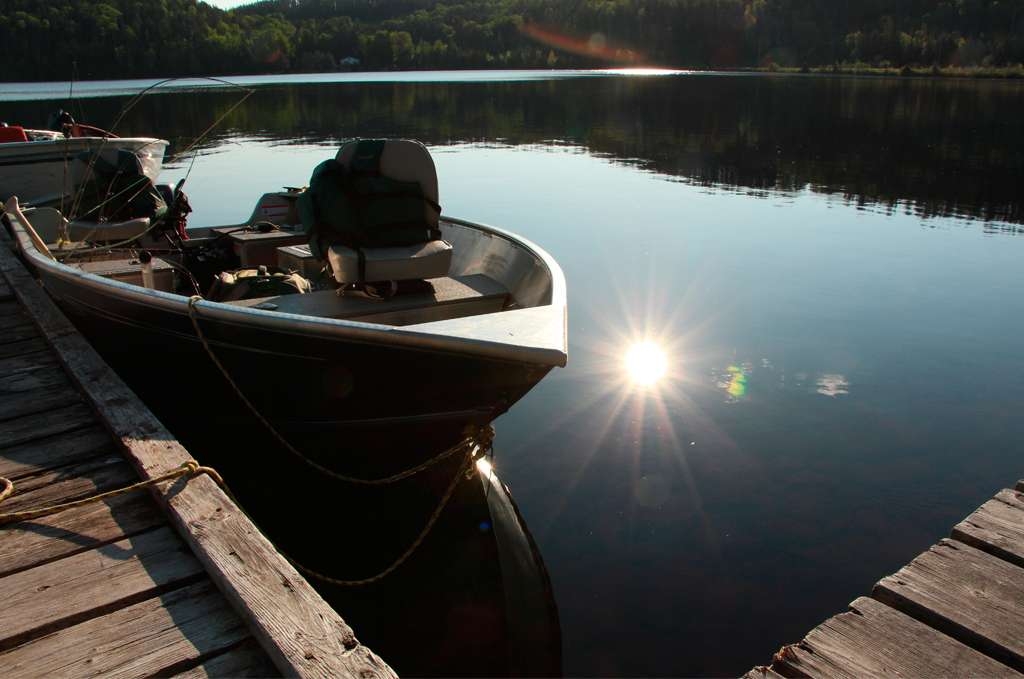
(646, 363)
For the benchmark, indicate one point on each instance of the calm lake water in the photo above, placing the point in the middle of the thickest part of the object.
(831, 265)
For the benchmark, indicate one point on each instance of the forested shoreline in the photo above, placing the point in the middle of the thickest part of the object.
(89, 39)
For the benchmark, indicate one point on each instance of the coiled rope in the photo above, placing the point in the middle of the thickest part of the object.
(188, 469)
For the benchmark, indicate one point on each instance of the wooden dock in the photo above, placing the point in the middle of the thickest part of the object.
(957, 610)
(174, 581)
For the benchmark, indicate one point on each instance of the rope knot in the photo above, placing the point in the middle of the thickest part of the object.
(482, 435)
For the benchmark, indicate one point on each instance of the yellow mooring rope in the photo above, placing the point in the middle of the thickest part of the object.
(465, 469)
(478, 438)
(188, 469)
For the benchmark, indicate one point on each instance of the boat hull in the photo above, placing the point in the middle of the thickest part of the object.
(360, 407)
(40, 171)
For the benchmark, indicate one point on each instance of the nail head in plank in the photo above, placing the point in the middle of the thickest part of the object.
(875, 640)
(965, 593)
(65, 592)
(245, 660)
(150, 638)
(32, 543)
(997, 527)
(269, 594)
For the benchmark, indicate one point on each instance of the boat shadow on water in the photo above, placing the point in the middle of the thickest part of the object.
(472, 599)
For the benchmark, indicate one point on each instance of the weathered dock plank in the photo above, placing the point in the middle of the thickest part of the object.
(245, 660)
(33, 543)
(39, 425)
(236, 556)
(153, 637)
(18, 330)
(49, 453)
(14, 364)
(874, 640)
(21, 347)
(35, 401)
(972, 596)
(955, 610)
(96, 475)
(62, 593)
(997, 527)
(9, 307)
(21, 381)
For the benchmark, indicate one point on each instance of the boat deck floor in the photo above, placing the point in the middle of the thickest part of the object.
(450, 297)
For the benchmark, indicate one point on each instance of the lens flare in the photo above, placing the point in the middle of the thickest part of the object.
(646, 363)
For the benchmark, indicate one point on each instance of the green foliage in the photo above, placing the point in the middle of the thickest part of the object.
(123, 38)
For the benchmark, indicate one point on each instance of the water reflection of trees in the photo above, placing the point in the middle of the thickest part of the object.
(938, 147)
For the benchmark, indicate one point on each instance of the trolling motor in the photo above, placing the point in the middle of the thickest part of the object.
(61, 121)
(178, 208)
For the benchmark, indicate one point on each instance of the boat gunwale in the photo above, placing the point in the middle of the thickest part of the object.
(331, 328)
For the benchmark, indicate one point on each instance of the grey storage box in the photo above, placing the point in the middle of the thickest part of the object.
(130, 271)
(398, 263)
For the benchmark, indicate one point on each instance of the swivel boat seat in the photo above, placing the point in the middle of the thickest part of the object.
(372, 213)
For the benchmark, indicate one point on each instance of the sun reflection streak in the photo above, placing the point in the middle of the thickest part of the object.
(622, 423)
(646, 363)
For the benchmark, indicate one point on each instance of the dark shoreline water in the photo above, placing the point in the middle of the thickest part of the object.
(832, 266)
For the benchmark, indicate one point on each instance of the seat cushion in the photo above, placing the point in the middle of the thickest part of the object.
(398, 263)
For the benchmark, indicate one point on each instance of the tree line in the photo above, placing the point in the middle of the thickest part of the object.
(61, 39)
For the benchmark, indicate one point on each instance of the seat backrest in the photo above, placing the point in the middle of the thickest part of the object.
(375, 193)
(403, 160)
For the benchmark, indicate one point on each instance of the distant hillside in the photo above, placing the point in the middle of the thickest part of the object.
(56, 39)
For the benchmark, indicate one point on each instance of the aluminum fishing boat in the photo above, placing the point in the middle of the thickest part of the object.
(355, 379)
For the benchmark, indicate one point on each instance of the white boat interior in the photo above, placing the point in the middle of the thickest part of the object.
(475, 288)
(37, 166)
